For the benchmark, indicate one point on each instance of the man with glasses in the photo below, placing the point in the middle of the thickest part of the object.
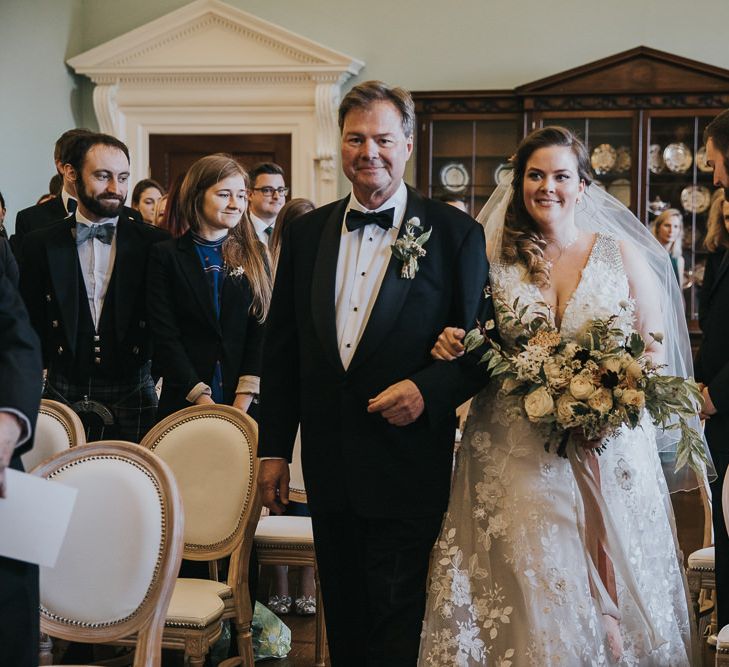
(267, 195)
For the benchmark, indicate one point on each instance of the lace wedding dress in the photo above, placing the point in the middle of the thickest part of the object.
(510, 583)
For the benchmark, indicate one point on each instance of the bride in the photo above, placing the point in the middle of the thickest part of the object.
(532, 568)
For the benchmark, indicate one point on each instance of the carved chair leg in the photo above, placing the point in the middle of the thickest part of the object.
(46, 650)
(244, 638)
(694, 585)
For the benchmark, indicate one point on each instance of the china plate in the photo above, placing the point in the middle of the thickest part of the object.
(695, 198)
(655, 159)
(454, 177)
(701, 160)
(658, 206)
(623, 160)
(502, 173)
(620, 189)
(603, 159)
(678, 157)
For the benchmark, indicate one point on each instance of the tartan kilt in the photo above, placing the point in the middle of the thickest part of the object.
(110, 408)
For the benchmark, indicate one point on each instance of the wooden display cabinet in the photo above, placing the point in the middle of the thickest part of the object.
(620, 106)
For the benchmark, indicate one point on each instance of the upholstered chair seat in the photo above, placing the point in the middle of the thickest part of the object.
(194, 606)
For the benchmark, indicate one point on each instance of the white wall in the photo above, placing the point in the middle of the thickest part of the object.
(420, 44)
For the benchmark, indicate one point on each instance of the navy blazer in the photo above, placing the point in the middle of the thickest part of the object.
(350, 457)
(188, 337)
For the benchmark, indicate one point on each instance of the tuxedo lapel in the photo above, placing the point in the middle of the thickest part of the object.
(193, 272)
(324, 284)
(127, 274)
(63, 267)
(393, 290)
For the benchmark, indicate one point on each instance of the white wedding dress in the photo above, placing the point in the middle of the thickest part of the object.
(510, 583)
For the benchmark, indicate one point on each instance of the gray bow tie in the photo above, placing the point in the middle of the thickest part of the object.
(105, 232)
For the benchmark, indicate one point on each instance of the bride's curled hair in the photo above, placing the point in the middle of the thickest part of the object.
(522, 242)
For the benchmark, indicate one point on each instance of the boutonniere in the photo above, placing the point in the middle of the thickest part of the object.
(409, 248)
(236, 271)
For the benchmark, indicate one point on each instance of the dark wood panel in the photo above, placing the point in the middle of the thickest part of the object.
(172, 154)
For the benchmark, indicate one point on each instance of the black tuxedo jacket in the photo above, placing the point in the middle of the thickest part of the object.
(49, 283)
(712, 360)
(188, 337)
(42, 215)
(352, 458)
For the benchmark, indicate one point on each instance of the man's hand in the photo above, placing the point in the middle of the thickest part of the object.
(709, 408)
(9, 435)
(449, 346)
(273, 484)
(401, 403)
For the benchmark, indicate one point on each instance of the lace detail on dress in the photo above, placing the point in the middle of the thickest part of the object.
(510, 583)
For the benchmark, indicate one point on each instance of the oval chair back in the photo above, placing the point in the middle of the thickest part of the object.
(58, 428)
(117, 567)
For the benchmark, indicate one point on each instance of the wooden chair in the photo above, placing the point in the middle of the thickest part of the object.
(289, 540)
(117, 567)
(58, 428)
(212, 451)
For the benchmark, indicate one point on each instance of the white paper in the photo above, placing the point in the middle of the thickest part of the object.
(34, 517)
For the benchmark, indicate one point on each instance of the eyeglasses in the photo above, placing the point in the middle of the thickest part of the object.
(267, 191)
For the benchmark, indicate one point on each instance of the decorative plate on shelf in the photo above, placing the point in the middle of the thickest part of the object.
(701, 161)
(620, 189)
(502, 173)
(695, 198)
(655, 159)
(603, 159)
(454, 177)
(678, 157)
(623, 160)
(657, 206)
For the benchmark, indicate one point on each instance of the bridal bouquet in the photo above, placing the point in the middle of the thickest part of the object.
(595, 385)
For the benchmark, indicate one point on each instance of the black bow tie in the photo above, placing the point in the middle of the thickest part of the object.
(358, 219)
(104, 232)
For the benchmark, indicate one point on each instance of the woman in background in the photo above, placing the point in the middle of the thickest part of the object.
(716, 242)
(145, 196)
(289, 211)
(209, 292)
(668, 229)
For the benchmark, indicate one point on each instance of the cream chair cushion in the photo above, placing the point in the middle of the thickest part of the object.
(118, 514)
(207, 586)
(285, 529)
(194, 604)
(722, 639)
(703, 559)
(51, 437)
(206, 486)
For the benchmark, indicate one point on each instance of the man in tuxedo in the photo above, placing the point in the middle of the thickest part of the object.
(20, 389)
(266, 197)
(53, 210)
(712, 364)
(83, 280)
(347, 355)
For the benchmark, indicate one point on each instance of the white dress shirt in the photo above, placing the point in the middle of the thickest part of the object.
(363, 258)
(97, 263)
(261, 226)
(64, 198)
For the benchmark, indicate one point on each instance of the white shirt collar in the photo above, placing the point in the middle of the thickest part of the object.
(84, 220)
(65, 197)
(398, 201)
(258, 223)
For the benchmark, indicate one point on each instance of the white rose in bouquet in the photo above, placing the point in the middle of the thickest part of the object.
(565, 414)
(554, 372)
(538, 404)
(634, 397)
(581, 386)
(633, 370)
(612, 364)
(601, 400)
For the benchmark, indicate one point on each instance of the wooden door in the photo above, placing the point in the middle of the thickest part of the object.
(171, 155)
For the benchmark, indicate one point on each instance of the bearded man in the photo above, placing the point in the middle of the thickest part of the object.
(83, 281)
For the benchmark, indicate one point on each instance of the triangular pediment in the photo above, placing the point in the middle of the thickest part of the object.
(209, 36)
(633, 72)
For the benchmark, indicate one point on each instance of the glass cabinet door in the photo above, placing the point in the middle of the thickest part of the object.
(469, 156)
(678, 178)
(609, 141)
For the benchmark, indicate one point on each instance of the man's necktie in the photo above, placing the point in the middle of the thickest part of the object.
(71, 205)
(105, 232)
(358, 219)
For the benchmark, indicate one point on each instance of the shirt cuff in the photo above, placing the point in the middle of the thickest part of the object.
(271, 458)
(25, 430)
(197, 391)
(248, 384)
